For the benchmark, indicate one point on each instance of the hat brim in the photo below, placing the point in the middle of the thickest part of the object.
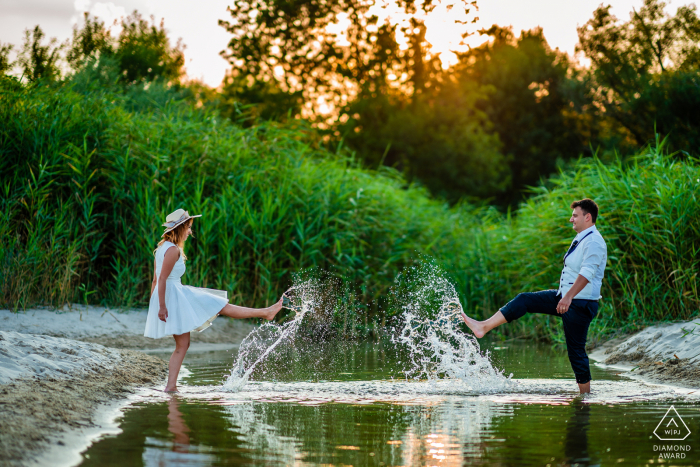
(179, 222)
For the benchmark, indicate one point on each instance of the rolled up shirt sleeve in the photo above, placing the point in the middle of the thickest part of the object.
(593, 255)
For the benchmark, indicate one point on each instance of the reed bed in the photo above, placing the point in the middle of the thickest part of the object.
(88, 174)
(649, 208)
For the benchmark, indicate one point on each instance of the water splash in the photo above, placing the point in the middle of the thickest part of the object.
(302, 299)
(437, 347)
(426, 340)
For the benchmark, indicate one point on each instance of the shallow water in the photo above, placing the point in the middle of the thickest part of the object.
(358, 409)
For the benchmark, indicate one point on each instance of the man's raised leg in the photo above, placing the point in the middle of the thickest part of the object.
(544, 301)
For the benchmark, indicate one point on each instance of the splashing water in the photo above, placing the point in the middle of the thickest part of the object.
(262, 341)
(437, 348)
(426, 336)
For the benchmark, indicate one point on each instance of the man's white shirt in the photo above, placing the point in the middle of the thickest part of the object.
(588, 259)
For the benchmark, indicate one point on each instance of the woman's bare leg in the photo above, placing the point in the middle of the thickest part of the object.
(480, 328)
(241, 312)
(182, 343)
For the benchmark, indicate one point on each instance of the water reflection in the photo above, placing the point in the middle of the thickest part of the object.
(363, 417)
(162, 453)
(576, 451)
(446, 432)
(177, 426)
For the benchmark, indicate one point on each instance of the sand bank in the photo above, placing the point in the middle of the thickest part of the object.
(121, 329)
(665, 353)
(56, 380)
(49, 386)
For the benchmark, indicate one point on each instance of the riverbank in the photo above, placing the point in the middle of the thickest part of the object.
(666, 353)
(61, 372)
(119, 329)
(51, 387)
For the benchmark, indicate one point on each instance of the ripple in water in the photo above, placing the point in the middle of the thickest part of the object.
(425, 333)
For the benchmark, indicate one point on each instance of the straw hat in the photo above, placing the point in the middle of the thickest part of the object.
(176, 218)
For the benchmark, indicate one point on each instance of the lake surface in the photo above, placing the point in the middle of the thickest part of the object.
(357, 409)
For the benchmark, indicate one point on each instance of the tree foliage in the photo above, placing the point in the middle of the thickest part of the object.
(646, 71)
(141, 53)
(534, 104)
(333, 50)
(90, 40)
(144, 52)
(438, 137)
(6, 63)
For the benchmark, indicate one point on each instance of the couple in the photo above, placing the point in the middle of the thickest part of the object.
(177, 309)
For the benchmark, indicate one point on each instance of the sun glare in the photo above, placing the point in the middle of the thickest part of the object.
(445, 26)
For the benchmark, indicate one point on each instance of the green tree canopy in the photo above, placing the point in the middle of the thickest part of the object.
(438, 137)
(534, 104)
(144, 52)
(6, 63)
(334, 50)
(646, 71)
(89, 41)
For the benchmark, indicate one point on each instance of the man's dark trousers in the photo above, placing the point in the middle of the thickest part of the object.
(576, 321)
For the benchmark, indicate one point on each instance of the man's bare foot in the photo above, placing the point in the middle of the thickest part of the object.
(273, 310)
(474, 325)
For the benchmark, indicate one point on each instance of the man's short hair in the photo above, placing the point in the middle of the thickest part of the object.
(588, 206)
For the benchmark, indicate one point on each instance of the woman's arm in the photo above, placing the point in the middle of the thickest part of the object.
(155, 279)
(171, 256)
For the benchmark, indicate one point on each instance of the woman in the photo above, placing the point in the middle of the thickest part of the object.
(176, 309)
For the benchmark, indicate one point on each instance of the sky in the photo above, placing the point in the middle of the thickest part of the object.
(197, 23)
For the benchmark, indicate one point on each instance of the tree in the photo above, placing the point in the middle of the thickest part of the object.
(89, 42)
(141, 53)
(242, 97)
(438, 137)
(646, 71)
(325, 49)
(39, 61)
(535, 103)
(144, 52)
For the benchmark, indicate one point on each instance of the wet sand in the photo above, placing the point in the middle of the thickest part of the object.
(667, 353)
(61, 369)
(36, 411)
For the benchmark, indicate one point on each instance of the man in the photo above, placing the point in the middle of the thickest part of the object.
(576, 299)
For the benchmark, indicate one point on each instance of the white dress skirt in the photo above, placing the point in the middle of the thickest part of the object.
(189, 308)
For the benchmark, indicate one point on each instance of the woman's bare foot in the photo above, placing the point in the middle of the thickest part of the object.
(170, 389)
(476, 326)
(273, 310)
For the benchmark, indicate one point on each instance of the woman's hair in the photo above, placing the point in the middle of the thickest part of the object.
(176, 236)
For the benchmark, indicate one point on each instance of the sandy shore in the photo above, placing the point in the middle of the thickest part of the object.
(665, 353)
(60, 372)
(50, 386)
(121, 329)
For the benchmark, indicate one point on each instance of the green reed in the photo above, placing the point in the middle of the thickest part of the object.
(649, 210)
(89, 175)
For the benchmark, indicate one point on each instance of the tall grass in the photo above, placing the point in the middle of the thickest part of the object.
(87, 178)
(649, 210)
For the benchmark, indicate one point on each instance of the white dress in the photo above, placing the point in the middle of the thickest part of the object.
(189, 308)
